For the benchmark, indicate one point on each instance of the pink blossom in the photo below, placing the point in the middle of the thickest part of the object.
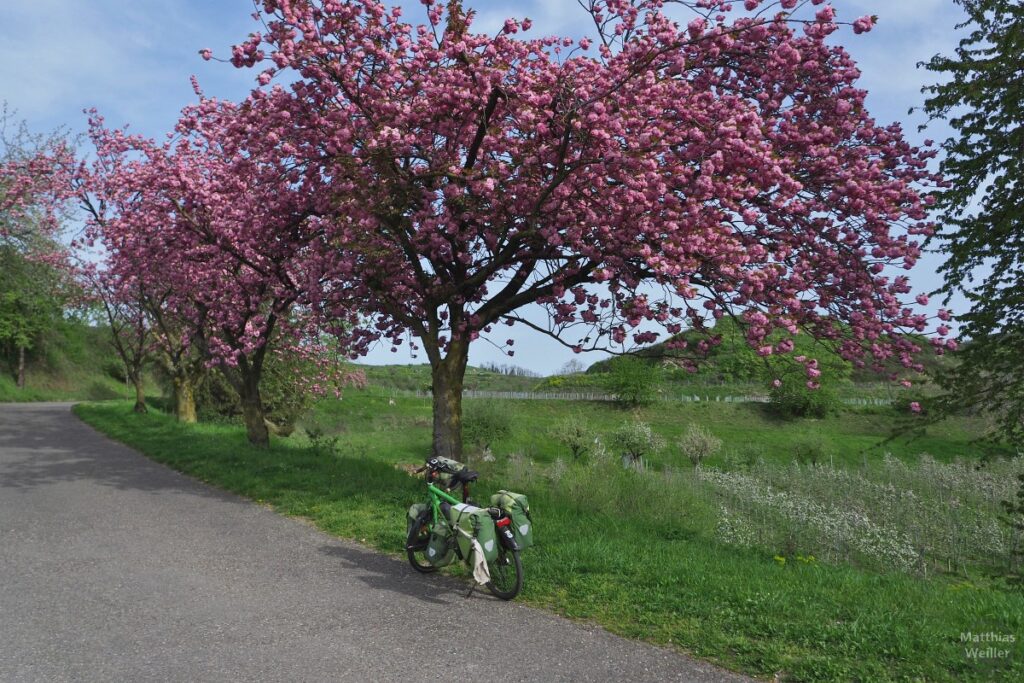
(915, 407)
(863, 24)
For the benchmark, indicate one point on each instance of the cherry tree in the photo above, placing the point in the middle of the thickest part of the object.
(656, 173)
(221, 231)
(34, 283)
(123, 304)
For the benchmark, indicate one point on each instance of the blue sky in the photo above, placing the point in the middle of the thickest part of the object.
(132, 61)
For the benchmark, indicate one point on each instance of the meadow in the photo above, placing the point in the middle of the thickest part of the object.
(812, 550)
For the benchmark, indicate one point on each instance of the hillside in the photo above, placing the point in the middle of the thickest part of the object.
(73, 361)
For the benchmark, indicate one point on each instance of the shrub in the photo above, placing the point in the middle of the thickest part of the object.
(574, 433)
(636, 440)
(698, 444)
(1013, 517)
(485, 423)
(793, 399)
(811, 449)
(114, 369)
(633, 381)
(284, 389)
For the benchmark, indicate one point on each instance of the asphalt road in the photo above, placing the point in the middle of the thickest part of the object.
(116, 568)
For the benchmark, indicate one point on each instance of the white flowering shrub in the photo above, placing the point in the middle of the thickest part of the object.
(636, 440)
(698, 444)
(824, 530)
(921, 517)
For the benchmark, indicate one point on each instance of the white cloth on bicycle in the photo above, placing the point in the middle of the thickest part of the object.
(480, 571)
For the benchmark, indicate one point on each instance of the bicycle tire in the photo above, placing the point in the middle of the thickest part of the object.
(418, 558)
(506, 574)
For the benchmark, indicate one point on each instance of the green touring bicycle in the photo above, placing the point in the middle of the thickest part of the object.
(445, 529)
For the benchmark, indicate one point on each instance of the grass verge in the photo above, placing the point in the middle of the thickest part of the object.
(622, 565)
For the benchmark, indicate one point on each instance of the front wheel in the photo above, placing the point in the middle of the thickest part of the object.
(506, 574)
(416, 547)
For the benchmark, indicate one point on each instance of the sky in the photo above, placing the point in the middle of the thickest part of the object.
(132, 62)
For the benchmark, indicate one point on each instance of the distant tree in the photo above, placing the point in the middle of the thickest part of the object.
(31, 301)
(982, 206)
(633, 381)
(574, 433)
(32, 273)
(572, 367)
(509, 370)
(636, 440)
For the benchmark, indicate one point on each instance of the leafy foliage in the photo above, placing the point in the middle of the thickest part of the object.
(632, 381)
(284, 389)
(984, 235)
(31, 299)
(636, 440)
(486, 422)
(793, 399)
(574, 433)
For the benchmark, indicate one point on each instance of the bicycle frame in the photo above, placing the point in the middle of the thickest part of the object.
(436, 496)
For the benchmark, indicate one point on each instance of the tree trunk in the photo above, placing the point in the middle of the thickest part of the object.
(252, 412)
(448, 375)
(184, 399)
(21, 367)
(140, 395)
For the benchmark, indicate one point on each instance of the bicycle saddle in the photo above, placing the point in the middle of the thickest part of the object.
(465, 476)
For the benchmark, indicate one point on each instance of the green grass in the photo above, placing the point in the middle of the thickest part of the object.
(365, 420)
(616, 550)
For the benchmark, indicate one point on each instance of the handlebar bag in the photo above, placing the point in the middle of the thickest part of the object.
(442, 470)
(474, 522)
(517, 507)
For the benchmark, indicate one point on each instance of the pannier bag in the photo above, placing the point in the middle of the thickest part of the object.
(414, 515)
(475, 523)
(440, 549)
(517, 507)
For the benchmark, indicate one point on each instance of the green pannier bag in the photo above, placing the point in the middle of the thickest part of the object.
(414, 514)
(473, 522)
(518, 508)
(440, 548)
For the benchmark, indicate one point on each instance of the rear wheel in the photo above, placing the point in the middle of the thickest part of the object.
(506, 574)
(416, 547)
